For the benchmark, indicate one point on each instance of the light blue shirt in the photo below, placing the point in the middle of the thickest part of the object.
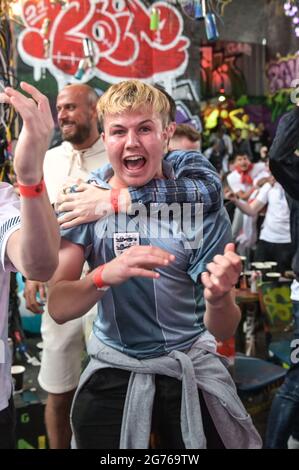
(150, 317)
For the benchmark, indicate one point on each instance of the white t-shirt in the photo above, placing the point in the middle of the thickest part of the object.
(258, 171)
(295, 290)
(276, 226)
(9, 223)
(64, 163)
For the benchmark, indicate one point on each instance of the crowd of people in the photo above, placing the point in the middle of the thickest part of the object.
(158, 292)
(263, 190)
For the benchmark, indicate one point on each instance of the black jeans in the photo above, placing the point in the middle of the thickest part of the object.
(98, 410)
(283, 418)
(284, 414)
(7, 427)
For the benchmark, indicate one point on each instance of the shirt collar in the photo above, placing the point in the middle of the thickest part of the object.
(97, 147)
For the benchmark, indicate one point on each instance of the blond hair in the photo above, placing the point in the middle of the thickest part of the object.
(130, 95)
(184, 130)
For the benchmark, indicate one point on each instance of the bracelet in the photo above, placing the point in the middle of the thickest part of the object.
(114, 199)
(32, 191)
(98, 280)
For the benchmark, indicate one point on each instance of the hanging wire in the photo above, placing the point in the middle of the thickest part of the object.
(215, 6)
(7, 77)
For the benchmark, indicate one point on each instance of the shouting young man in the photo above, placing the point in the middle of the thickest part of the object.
(160, 296)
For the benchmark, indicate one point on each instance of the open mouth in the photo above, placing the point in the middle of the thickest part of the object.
(67, 126)
(134, 163)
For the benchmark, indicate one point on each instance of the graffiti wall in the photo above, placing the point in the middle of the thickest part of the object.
(282, 78)
(120, 39)
(235, 72)
(282, 72)
(104, 41)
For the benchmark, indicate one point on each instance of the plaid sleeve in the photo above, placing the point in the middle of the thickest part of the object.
(195, 181)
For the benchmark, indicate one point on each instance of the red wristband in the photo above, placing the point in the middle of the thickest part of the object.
(98, 280)
(32, 191)
(114, 199)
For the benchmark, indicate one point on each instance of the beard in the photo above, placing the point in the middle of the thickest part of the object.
(78, 135)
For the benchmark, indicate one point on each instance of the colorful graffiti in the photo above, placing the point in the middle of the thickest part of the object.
(228, 114)
(282, 76)
(187, 103)
(278, 305)
(122, 44)
(282, 73)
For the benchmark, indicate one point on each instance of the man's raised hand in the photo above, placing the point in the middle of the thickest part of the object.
(35, 136)
(222, 274)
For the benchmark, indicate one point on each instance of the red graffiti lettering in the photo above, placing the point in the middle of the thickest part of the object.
(123, 44)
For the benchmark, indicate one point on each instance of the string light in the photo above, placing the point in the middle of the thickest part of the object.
(291, 9)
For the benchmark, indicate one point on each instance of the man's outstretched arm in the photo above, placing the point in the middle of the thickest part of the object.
(33, 249)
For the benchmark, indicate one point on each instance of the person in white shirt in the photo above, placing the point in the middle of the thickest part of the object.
(241, 179)
(29, 232)
(241, 182)
(226, 146)
(274, 242)
(80, 153)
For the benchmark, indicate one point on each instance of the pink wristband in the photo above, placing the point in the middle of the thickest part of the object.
(32, 191)
(98, 280)
(114, 199)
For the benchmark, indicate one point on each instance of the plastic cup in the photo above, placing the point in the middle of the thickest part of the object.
(273, 276)
(258, 265)
(17, 373)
